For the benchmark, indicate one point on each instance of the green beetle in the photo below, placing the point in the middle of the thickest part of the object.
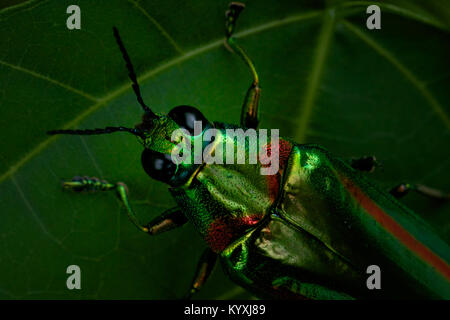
(281, 235)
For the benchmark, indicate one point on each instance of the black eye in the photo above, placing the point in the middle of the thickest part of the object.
(157, 165)
(185, 116)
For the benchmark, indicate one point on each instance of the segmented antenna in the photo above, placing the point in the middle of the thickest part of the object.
(106, 130)
(132, 75)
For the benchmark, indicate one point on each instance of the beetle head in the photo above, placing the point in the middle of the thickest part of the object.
(160, 143)
(155, 133)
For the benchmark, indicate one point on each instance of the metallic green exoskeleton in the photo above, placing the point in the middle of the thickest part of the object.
(317, 228)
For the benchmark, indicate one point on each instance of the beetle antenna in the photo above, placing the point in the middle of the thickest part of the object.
(106, 130)
(132, 75)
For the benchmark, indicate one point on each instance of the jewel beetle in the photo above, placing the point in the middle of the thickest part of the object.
(310, 230)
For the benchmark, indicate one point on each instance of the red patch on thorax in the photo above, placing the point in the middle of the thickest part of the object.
(223, 231)
(273, 181)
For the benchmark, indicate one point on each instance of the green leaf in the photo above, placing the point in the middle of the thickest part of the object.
(326, 79)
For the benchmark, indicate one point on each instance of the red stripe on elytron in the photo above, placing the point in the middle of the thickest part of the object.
(397, 230)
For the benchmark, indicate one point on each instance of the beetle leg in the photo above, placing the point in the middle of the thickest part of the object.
(205, 266)
(170, 219)
(367, 163)
(249, 113)
(403, 188)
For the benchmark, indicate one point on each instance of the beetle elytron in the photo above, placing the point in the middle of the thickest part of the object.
(309, 231)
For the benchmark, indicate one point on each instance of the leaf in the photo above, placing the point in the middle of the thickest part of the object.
(326, 79)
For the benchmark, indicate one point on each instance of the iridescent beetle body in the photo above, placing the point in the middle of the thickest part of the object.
(327, 226)
(310, 230)
(282, 235)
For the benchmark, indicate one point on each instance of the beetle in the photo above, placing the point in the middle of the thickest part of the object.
(311, 230)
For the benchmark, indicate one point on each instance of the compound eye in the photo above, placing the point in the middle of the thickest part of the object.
(185, 116)
(157, 165)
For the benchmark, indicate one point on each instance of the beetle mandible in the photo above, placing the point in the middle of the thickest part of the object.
(308, 231)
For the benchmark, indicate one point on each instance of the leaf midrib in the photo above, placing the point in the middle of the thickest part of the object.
(320, 56)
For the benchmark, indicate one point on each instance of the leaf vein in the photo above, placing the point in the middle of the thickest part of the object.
(157, 25)
(47, 78)
(34, 214)
(420, 86)
(400, 11)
